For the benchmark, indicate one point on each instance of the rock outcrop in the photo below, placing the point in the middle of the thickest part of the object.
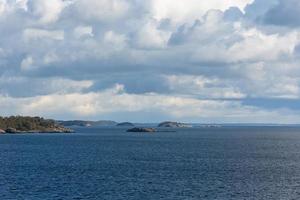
(20, 125)
(47, 130)
(142, 130)
(11, 130)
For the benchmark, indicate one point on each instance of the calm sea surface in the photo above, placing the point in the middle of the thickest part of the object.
(108, 163)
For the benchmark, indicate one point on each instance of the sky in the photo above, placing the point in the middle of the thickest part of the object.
(217, 61)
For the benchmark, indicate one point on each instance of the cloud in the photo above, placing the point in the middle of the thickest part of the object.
(46, 11)
(258, 9)
(183, 11)
(115, 100)
(210, 88)
(174, 59)
(2, 6)
(150, 37)
(40, 86)
(40, 34)
(102, 10)
(285, 13)
(27, 63)
(83, 31)
(115, 40)
(233, 14)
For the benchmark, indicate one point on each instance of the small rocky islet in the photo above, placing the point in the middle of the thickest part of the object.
(142, 130)
(23, 125)
(167, 124)
(125, 124)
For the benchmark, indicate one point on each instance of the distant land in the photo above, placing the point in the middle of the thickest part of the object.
(126, 124)
(169, 124)
(82, 123)
(87, 123)
(20, 124)
(23, 124)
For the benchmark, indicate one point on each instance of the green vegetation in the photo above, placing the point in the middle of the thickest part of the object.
(21, 123)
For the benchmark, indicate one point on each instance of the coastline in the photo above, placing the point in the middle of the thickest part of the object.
(9, 132)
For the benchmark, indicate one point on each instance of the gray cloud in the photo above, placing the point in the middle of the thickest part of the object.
(285, 13)
(233, 14)
(258, 9)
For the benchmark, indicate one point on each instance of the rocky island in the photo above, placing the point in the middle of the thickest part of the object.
(20, 124)
(126, 124)
(141, 130)
(173, 125)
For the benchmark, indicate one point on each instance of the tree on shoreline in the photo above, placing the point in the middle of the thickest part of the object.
(22, 123)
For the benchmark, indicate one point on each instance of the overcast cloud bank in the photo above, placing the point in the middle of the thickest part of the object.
(190, 60)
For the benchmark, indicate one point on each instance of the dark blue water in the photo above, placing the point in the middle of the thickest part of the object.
(216, 163)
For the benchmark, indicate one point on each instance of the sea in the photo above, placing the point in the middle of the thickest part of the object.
(107, 163)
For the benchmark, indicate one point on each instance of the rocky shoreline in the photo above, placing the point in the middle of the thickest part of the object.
(52, 130)
(26, 124)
